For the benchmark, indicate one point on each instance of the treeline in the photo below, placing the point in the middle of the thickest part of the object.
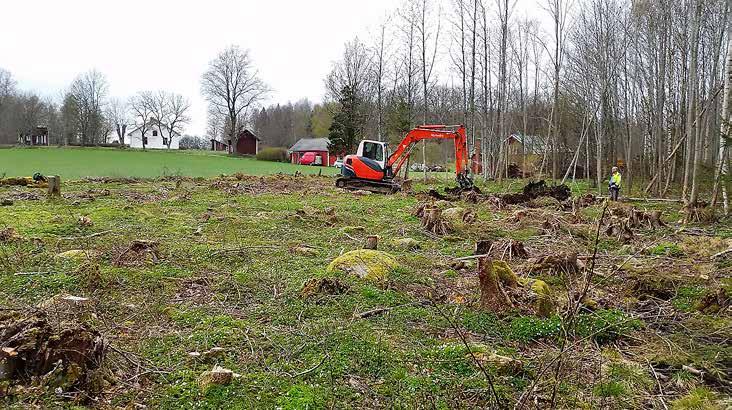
(600, 82)
(282, 125)
(87, 115)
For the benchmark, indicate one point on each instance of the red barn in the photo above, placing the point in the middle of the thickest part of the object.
(319, 146)
(217, 145)
(247, 144)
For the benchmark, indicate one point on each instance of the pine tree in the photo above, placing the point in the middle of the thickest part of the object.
(347, 127)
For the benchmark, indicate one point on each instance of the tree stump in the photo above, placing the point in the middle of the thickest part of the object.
(492, 295)
(372, 242)
(54, 186)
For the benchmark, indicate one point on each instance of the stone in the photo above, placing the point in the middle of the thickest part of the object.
(409, 244)
(365, 263)
(218, 376)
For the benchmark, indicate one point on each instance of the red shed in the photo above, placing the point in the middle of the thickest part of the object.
(217, 145)
(247, 144)
(317, 145)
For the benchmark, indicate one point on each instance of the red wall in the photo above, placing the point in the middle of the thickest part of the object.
(246, 146)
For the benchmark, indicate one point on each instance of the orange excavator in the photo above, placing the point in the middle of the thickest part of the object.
(374, 169)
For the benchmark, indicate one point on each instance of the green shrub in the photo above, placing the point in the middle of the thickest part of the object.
(272, 154)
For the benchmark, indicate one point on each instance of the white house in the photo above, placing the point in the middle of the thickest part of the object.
(155, 140)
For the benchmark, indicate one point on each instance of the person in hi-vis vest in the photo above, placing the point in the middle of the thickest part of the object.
(614, 187)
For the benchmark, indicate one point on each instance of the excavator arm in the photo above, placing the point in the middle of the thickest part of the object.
(449, 132)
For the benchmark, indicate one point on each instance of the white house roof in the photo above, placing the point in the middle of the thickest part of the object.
(310, 144)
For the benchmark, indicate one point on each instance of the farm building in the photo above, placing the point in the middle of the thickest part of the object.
(154, 139)
(517, 143)
(318, 146)
(247, 144)
(38, 136)
(217, 145)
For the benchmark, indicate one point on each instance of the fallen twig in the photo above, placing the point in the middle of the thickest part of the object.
(720, 254)
(33, 273)
(379, 311)
(310, 370)
(94, 235)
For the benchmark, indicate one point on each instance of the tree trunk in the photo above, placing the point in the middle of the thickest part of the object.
(492, 295)
(725, 118)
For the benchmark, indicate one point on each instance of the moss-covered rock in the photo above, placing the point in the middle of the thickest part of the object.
(74, 254)
(507, 277)
(406, 244)
(365, 263)
(544, 302)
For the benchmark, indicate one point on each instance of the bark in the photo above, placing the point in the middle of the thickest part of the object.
(724, 132)
(492, 295)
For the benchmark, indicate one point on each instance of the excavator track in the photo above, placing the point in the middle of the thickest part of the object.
(379, 187)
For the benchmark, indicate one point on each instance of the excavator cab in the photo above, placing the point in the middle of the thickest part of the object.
(374, 150)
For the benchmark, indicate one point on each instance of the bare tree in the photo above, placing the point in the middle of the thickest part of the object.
(353, 71)
(141, 107)
(89, 91)
(724, 133)
(232, 86)
(118, 115)
(381, 61)
(178, 107)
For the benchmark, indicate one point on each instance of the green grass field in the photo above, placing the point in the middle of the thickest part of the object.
(75, 163)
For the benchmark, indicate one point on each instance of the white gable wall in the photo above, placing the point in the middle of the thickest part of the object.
(134, 139)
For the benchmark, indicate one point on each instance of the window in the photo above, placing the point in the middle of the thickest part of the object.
(373, 151)
(144, 140)
(155, 133)
(165, 141)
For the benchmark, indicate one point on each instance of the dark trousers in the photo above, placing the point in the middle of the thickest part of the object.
(614, 193)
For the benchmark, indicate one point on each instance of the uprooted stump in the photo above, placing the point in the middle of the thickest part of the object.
(323, 286)
(536, 189)
(559, 263)
(138, 253)
(9, 234)
(619, 228)
(700, 213)
(714, 301)
(67, 358)
(433, 221)
(513, 249)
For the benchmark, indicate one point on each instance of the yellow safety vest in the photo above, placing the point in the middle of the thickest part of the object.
(615, 179)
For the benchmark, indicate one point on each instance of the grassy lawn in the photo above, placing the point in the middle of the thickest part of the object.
(75, 163)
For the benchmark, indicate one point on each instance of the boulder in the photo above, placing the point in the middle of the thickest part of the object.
(406, 244)
(505, 274)
(74, 254)
(216, 376)
(305, 250)
(365, 263)
(454, 215)
(544, 304)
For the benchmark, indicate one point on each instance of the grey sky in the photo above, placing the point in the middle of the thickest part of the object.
(166, 44)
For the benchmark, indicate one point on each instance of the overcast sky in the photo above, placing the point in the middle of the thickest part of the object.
(166, 44)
